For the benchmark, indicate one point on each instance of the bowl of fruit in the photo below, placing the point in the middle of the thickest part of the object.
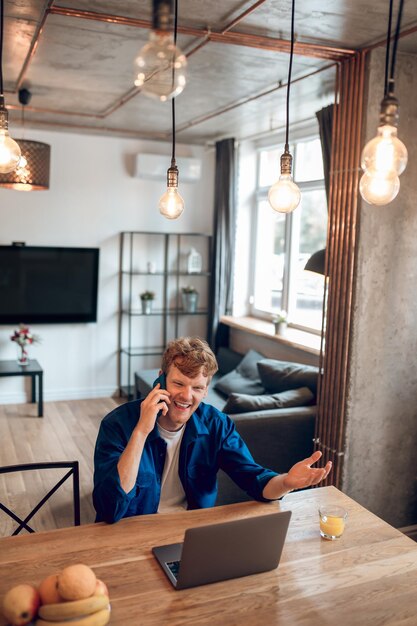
(74, 597)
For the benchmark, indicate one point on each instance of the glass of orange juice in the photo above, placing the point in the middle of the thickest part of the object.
(332, 521)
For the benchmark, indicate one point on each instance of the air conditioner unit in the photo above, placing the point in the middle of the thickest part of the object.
(154, 166)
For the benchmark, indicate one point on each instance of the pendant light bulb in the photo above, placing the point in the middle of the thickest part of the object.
(384, 158)
(284, 196)
(9, 149)
(161, 65)
(9, 153)
(385, 153)
(171, 204)
(379, 188)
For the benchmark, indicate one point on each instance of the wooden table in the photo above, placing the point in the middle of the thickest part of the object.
(368, 577)
(32, 369)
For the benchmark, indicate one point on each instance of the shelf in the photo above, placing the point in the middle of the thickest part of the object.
(160, 312)
(143, 351)
(138, 313)
(142, 344)
(173, 273)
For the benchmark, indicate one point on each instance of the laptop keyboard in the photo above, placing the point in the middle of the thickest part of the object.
(174, 566)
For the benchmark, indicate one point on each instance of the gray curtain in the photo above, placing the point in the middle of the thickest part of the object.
(325, 120)
(221, 284)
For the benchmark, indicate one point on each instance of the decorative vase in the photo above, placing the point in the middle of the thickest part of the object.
(146, 307)
(194, 262)
(22, 355)
(280, 328)
(189, 302)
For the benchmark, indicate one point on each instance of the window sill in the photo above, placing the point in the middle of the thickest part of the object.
(309, 342)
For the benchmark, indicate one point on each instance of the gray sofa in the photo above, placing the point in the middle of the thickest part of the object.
(271, 402)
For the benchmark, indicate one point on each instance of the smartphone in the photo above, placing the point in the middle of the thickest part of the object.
(161, 380)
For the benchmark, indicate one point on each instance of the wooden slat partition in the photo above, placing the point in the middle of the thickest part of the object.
(340, 262)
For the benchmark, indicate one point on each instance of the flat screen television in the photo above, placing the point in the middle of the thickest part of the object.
(48, 285)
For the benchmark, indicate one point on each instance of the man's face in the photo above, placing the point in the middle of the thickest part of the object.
(185, 395)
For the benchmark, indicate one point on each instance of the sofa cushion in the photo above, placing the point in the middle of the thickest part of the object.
(277, 376)
(227, 360)
(243, 379)
(242, 403)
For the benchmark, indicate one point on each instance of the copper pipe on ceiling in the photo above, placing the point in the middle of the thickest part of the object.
(242, 101)
(17, 107)
(224, 30)
(240, 39)
(383, 42)
(68, 12)
(49, 9)
(34, 44)
(280, 45)
(131, 93)
(120, 102)
(101, 130)
(198, 46)
(276, 129)
(240, 17)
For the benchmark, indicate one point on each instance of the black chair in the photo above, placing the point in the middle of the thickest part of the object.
(73, 471)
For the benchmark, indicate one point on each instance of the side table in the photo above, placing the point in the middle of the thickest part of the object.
(32, 369)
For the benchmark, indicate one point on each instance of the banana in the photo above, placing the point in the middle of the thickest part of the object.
(75, 608)
(99, 618)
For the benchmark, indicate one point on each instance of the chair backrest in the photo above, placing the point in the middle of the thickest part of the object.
(73, 468)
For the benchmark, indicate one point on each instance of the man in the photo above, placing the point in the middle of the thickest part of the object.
(163, 453)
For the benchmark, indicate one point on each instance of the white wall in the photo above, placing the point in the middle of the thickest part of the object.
(92, 197)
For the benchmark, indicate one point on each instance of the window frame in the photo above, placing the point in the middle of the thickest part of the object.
(291, 219)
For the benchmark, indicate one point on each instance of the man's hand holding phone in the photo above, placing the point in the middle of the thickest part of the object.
(155, 403)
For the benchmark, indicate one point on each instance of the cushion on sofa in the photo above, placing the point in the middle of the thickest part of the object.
(243, 379)
(277, 376)
(227, 360)
(242, 403)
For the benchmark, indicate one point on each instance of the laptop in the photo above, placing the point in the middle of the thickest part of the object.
(223, 551)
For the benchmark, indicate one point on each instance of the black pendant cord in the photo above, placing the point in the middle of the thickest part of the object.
(286, 149)
(394, 47)
(388, 47)
(173, 130)
(173, 72)
(1, 47)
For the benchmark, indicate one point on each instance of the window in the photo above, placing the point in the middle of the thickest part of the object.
(284, 243)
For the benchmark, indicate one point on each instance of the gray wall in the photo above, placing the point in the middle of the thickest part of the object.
(380, 469)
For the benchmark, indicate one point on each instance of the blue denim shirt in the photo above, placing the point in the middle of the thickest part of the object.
(210, 442)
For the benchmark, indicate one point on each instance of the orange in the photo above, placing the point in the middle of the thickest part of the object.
(76, 582)
(48, 590)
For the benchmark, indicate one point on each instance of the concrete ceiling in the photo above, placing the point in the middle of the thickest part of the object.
(78, 64)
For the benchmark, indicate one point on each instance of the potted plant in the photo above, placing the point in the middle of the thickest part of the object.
(280, 322)
(23, 338)
(189, 296)
(147, 297)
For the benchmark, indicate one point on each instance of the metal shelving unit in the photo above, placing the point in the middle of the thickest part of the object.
(143, 336)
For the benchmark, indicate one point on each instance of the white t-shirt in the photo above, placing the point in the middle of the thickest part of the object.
(172, 492)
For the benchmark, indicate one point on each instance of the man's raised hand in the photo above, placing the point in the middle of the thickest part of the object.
(302, 475)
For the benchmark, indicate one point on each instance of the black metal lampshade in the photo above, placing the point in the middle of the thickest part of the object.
(316, 262)
(32, 173)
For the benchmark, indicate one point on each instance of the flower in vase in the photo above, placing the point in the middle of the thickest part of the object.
(23, 337)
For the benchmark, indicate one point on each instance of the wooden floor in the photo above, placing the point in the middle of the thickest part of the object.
(67, 431)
